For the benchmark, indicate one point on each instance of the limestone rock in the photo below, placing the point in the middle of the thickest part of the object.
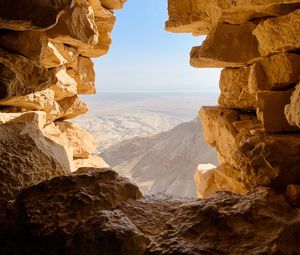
(277, 72)
(109, 233)
(24, 117)
(28, 157)
(188, 16)
(91, 161)
(256, 223)
(58, 205)
(227, 46)
(36, 46)
(19, 76)
(264, 159)
(113, 4)
(211, 179)
(70, 107)
(292, 110)
(279, 34)
(104, 26)
(41, 100)
(198, 17)
(82, 142)
(37, 14)
(270, 110)
(66, 86)
(234, 89)
(76, 27)
(86, 76)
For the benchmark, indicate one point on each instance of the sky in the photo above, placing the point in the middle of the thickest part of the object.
(144, 57)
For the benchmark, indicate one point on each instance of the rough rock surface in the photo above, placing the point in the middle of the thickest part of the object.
(262, 158)
(90, 217)
(28, 156)
(292, 110)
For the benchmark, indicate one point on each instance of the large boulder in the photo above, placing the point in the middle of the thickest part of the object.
(27, 155)
(292, 110)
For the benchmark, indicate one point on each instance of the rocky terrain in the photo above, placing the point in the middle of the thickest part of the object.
(163, 163)
(56, 198)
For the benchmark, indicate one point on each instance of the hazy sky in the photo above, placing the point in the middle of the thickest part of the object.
(143, 57)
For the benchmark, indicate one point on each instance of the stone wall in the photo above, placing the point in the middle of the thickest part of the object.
(255, 128)
(45, 64)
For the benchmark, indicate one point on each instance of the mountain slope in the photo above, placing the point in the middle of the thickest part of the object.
(165, 162)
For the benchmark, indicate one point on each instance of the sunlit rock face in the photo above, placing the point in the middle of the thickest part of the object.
(45, 51)
(255, 129)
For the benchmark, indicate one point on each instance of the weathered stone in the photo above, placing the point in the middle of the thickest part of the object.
(66, 86)
(28, 157)
(41, 100)
(279, 34)
(264, 159)
(292, 110)
(113, 4)
(70, 107)
(86, 76)
(82, 142)
(277, 72)
(227, 46)
(188, 16)
(104, 26)
(76, 27)
(56, 206)
(36, 46)
(20, 77)
(27, 15)
(234, 89)
(270, 110)
(211, 179)
(24, 117)
(91, 161)
(109, 233)
(198, 17)
(261, 222)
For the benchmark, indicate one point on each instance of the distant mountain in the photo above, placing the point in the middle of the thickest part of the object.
(165, 162)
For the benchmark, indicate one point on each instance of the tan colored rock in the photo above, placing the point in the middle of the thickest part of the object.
(227, 46)
(234, 89)
(188, 16)
(279, 34)
(104, 26)
(91, 161)
(264, 159)
(28, 157)
(82, 142)
(211, 179)
(113, 4)
(270, 110)
(36, 46)
(70, 107)
(37, 14)
(76, 27)
(292, 110)
(86, 76)
(52, 132)
(41, 100)
(66, 86)
(198, 17)
(277, 72)
(24, 117)
(20, 77)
